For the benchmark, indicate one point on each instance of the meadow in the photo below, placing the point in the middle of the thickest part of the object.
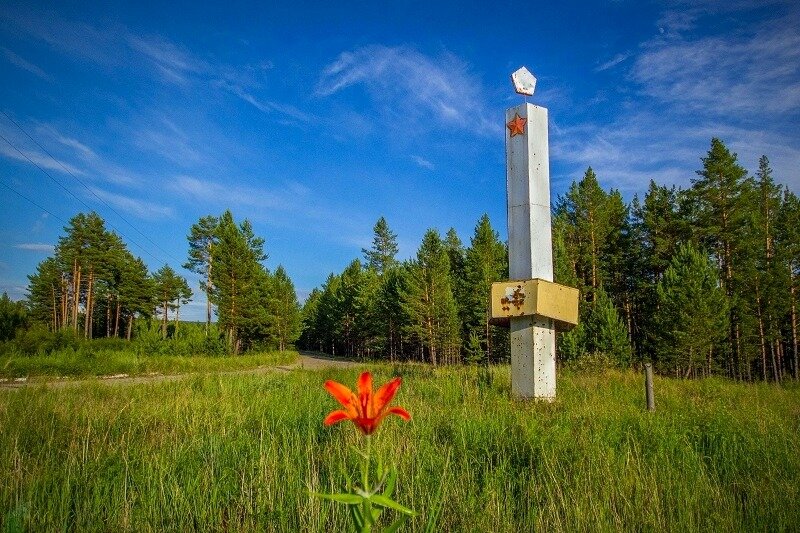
(80, 364)
(242, 453)
(39, 354)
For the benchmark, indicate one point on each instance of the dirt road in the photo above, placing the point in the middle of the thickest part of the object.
(305, 361)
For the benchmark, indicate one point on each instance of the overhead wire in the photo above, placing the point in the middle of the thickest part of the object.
(91, 191)
(32, 162)
(31, 201)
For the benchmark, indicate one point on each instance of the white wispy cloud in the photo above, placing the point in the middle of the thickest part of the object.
(19, 152)
(77, 40)
(171, 62)
(35, 247)
(140, 208)
(97, 166)
(406, 83)
(743, 72)
(39, 224)
(286, 206)
(266, 106)
(177, 64)
(24, 64)
(629, 152)
(77, 146)
(613, 62)
(168, 140)
(741, 86)
(424, 163)
(174, 62)
(226, 195)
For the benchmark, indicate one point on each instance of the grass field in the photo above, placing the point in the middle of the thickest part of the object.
(112, 362)
(240, 453)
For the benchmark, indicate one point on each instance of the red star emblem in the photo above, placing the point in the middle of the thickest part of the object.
(517, 125)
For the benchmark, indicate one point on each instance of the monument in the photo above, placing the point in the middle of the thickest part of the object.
(530, 301)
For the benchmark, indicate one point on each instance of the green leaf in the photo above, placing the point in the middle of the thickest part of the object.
(383, 501)
(390, 482)
(395, 526)
(348, 499)
(355, 514)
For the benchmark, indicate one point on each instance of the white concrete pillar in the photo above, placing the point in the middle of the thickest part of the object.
(530, 247)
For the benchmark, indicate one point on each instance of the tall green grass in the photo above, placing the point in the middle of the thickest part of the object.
(238, 453)
(108, 362)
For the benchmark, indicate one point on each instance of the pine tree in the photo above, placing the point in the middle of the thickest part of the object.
(384, 249)
(428, 301)
(659, 228)
(692, 313)
(310, 338)
(591, 250)
(594, 220)
(13, 316)
(71, 253)
(47, 290)
(486, 262)
(202, 237)
(769, 277)
(605, 332)
(329, 315)
(285, 310)
(170, 289)
(787, 246)
(458, 283)
(720, 194)
(235, 278)
(389, 314)
(137, 293)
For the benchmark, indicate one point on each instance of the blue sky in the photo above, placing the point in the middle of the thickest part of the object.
(313, 120)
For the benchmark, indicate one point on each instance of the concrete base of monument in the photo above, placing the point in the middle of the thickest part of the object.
(533, 360)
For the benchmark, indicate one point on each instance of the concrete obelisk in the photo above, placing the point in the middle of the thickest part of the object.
(530, 246)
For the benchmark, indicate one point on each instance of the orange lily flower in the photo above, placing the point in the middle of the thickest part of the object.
(367, 409)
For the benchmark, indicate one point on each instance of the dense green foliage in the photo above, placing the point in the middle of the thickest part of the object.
(431, 308)
(701, 281)
(254, 306)
(36, 351)
(13, 316)
(93, 287)
(241, 453)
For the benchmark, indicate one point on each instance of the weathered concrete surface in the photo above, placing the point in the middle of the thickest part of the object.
(530, 250)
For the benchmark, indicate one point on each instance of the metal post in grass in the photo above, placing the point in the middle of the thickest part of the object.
(648, 386)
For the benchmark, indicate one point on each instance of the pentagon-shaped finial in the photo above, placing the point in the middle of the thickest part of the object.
(524, 81)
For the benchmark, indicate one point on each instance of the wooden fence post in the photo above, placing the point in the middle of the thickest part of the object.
(648, 386)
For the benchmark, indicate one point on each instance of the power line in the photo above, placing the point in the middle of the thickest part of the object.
(91, 191)
(50, 213)
(31, 201)
(32, 162)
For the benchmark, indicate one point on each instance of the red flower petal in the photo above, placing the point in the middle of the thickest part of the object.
(364, 394)
(399, 411)
(336, 416)
(343, 395)
(385, 395)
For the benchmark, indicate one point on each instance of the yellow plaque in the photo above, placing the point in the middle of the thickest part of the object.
(535, 297)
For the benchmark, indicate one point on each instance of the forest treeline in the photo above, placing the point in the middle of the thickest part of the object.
(93, 286)
(700, 281)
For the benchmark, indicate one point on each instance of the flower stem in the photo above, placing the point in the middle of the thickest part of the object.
(365, 480)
